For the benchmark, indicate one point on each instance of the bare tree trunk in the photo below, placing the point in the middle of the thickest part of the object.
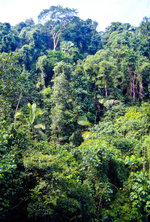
(133, 87)
(131, 84)
(56, 37)
(130, 88)
(140, 88)
(106, 91)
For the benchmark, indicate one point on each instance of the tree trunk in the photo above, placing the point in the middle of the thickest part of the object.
(56, 37)
(133, 87)
(106, 91)
(140, 88)
(131, 84)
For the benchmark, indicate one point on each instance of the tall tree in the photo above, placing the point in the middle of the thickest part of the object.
(57, 19)
(63, 119)
(11, 84)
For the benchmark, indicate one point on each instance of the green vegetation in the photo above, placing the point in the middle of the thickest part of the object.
(74, 120)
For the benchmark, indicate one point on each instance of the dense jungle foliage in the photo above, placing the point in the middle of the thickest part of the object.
(74, 120)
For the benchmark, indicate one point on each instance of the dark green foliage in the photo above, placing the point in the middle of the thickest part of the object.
(84, 35)
(11, 84)
(9, 40)
(132, 201)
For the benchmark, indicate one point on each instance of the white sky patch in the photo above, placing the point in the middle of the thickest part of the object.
(102, 11)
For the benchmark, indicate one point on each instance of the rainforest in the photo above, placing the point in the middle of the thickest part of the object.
(74, 120)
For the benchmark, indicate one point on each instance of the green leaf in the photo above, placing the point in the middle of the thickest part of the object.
(83, 121)
(40, 126)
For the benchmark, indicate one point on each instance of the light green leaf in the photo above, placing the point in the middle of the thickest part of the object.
(40, 126)
(83, 121)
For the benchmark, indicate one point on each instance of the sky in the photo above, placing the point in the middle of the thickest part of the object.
(102, 11)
